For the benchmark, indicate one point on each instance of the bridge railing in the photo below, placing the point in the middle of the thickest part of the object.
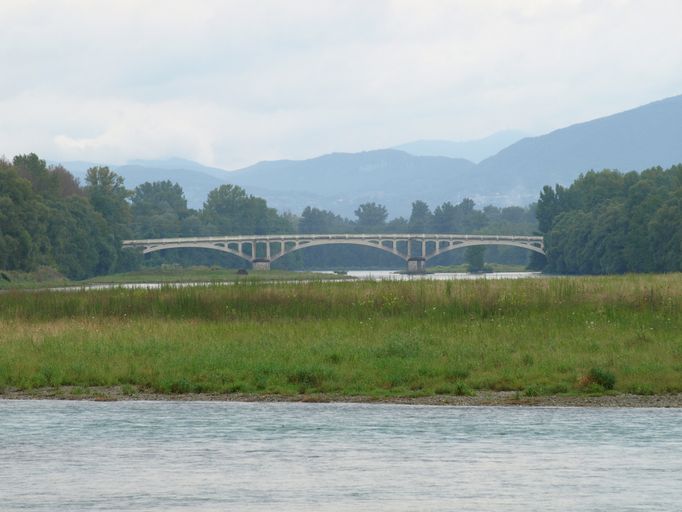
(364, 236)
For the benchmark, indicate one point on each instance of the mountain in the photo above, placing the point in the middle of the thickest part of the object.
(342, 181)
(632, 140)
(180, 164)
(474, 150)
(636, 139)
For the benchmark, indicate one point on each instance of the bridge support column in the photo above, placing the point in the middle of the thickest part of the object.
(261, 264)
(416, 265)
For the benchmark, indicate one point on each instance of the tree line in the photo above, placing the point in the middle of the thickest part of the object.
(48, 218)
(610, 222)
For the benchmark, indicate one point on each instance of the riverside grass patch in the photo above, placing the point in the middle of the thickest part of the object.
(412, 338)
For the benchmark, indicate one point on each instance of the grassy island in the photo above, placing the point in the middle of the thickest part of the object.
(534, 337)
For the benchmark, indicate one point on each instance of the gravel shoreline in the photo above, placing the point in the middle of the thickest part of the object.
(483, 398)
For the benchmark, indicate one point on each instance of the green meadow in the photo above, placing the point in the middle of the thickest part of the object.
(539, 336)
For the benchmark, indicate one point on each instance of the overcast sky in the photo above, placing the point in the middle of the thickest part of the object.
(229, 83)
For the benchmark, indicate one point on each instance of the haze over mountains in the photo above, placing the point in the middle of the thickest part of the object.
(632, 140)
(474, 150)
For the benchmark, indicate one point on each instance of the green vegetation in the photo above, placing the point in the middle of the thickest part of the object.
(47, 219)
(604, 223)
(474, 258)
(608, 222)
(42, 277)
(535, 336)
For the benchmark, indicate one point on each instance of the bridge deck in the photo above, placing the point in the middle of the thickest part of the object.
(415, 248)
(398, 236)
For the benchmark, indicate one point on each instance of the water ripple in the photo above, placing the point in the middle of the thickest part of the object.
(147, 456)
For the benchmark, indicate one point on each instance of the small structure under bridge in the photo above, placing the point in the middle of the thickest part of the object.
(261, 251)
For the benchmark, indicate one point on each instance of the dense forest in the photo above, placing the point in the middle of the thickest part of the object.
(610, 222)
(48, 218)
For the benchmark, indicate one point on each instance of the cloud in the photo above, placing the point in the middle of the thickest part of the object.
(230, 83)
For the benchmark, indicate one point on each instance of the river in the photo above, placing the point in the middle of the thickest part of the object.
(382, 275)
(361, 275)
(157, 456)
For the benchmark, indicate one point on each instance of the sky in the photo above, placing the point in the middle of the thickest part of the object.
(230, 83)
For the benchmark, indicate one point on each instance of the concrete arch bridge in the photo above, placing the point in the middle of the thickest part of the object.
(414, 249)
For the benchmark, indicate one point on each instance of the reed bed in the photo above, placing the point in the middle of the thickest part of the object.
(535, 336)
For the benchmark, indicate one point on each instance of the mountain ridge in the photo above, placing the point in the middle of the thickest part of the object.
(474, 150)
(635, 139)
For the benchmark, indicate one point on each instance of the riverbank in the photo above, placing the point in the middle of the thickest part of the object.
(48, 278)
(414, 340)
(480, 399)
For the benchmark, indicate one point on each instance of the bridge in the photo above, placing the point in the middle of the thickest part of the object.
(261, 251)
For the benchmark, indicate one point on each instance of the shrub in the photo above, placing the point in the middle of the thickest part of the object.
(533, 390)
(307, 377)
(461, 389)
(458, 389)
(604, 378)
(128, 389)
(641, 389)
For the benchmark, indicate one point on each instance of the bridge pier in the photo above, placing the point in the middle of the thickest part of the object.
(416, 265)
(261, 264)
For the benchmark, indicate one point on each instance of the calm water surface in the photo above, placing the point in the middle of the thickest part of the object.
(395, 275)
(362, 275)
(233, 456)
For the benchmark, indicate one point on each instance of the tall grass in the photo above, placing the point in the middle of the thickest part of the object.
(388, 338)
(417, 299)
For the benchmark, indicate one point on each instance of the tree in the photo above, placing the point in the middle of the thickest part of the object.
(421, 219)
(35, 170)
(108, 196)
(567, 243)
(229, 210)
(548, 208)
(22, 226)
(80, 239)
(158, 197)
(371, 218)
(314, 220)
(608, 239)
(66, 184)
(158, 210)
(474, 256)
(609, 222)
(398, 225)
(665, 234)
(462, 218)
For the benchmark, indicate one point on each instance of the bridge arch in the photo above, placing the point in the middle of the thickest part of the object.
(363, 243)
(261, 250)
(214, 247)
(472, 243)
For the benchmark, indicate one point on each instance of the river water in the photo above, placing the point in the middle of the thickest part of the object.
(382, 275)
(361, 275)
(158, 456)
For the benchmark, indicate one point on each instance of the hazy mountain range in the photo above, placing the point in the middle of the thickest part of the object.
(474, 150)
(507, 174)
